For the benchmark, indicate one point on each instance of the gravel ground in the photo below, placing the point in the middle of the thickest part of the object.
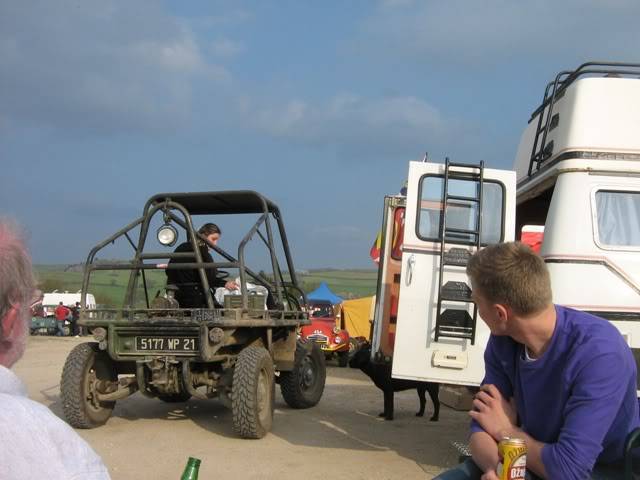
(341, 437)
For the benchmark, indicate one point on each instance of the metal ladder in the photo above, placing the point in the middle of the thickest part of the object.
(457, 323)
(547, 121)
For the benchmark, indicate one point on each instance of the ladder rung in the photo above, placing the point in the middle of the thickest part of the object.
(457, 257)
(455, 334)
(460, 230)
(454, 329)
(465, 199)
(455, 298)
(464, 165)
(456, 292)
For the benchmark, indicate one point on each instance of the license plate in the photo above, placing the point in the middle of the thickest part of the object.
(168, 344)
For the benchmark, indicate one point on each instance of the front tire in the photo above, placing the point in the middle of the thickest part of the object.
(253, 392)
(303, 386)
(86, 367)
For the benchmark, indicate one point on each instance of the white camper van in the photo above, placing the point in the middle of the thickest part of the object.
(576, 185)
(51, 300)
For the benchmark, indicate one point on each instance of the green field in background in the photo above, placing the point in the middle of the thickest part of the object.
(346, 283)
(109, 286)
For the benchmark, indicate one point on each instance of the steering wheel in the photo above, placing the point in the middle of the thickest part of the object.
(222, 274)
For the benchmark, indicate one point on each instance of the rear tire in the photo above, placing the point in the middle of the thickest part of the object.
(253, 392)
(85, 367)
(303, 386)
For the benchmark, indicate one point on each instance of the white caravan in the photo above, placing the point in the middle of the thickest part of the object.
(578, 180)
(51, 300)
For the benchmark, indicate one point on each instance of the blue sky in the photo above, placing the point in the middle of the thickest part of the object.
(318, 105)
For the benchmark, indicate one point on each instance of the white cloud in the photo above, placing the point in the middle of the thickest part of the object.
(390, 124)
(224, 47)
(107, 65)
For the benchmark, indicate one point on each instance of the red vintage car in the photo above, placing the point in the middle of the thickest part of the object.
(325, 331)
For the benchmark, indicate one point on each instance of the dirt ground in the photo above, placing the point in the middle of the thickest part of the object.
(341, 437)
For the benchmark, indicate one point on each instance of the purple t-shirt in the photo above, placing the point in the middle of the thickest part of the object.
(579, 397)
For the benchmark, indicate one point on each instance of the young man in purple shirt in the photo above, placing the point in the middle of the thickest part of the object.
(562, 380)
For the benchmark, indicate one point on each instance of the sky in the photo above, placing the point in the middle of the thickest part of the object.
(319, 106)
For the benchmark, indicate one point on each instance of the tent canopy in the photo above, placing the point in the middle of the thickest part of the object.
(356, 316)
(323, 292)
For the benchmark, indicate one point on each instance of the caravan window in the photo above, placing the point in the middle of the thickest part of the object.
(618, 218)
(461, 214)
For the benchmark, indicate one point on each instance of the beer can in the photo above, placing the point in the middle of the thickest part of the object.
(513, 463)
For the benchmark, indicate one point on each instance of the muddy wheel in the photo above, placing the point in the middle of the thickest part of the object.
(303, 386)
(343, 359)
(84, 372)
(252, 393)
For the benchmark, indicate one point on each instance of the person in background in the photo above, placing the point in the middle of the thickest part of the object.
(562, 380)
(62, 313)
(34, 443)
(190, 293)
(75, 316)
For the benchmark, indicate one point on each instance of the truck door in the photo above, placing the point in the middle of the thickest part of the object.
(451, 209)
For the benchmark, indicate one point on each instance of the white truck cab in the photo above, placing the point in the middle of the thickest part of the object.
(52, 299)
(576, 183)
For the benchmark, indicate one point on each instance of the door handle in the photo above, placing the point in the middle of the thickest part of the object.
(411, 261)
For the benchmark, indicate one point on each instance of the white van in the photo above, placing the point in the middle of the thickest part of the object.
(51, 300)
(576, 178)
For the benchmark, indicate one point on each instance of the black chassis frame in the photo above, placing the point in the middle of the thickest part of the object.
(243, 325)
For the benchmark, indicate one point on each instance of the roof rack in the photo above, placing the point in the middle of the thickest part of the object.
(555, 89)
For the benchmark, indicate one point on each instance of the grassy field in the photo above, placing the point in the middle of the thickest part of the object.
(346, 283)
(109, 286)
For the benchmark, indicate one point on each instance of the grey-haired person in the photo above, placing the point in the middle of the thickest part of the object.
(34, 443)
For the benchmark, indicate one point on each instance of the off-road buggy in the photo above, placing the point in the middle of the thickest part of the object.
(234, 351)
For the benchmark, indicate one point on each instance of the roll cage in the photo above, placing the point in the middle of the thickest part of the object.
(178, 208)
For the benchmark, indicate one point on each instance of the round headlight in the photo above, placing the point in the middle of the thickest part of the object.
(100, 334)
(167, 235)
(338, 340)
(336, 330)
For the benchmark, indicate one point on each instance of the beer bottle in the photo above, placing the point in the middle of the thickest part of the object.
(191, 470)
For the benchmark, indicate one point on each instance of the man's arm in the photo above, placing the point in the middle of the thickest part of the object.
(484, 451)
(484, 448)
(598, 392)
(589, 413)
(534, 451)
(498, 418)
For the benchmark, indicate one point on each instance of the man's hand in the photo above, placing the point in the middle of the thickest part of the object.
(490, 475)
(484, 450)
(231, 285)
(493, 412)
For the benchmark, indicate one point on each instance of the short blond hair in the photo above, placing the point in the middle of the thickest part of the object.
(511, 274)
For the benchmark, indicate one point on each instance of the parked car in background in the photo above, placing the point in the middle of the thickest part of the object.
(325, 331)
